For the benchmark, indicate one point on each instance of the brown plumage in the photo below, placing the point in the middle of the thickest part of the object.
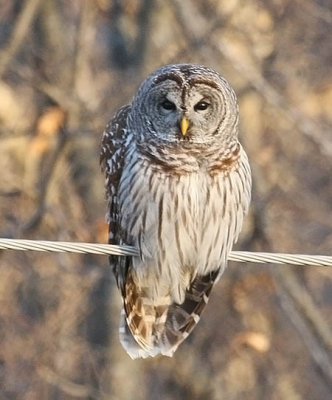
(178, 185)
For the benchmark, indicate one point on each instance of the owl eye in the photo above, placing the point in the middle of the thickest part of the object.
(201, 106)
(168, 105)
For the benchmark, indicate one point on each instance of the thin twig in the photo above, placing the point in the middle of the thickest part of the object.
(311, 341)
(310, 128)
(21, 28)
(35, 219)
(197, 33)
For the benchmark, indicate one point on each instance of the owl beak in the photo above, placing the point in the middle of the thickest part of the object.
(184, 126)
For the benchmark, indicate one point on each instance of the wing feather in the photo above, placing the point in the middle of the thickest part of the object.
(112, 160)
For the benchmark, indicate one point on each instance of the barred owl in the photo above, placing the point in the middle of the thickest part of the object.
(178, 185)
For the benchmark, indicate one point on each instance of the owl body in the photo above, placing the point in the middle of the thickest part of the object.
(178, 186)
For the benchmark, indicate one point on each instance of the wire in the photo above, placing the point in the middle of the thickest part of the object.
(67, 247)
(281, 258)
(108, 249)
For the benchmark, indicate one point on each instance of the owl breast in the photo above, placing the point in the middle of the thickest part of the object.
(183, 224)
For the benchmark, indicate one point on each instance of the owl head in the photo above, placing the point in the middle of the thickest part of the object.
(185, 103)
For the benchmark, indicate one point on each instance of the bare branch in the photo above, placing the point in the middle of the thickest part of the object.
(24, 21)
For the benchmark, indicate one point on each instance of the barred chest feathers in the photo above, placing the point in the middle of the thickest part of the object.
(183, 218)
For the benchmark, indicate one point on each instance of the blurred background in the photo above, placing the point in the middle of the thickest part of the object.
(65, 68)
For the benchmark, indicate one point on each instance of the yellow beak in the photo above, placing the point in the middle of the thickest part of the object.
(184, 125)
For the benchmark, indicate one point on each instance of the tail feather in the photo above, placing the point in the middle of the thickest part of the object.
(130, 343)
(182, 318)
(140, 317)
(150, 329)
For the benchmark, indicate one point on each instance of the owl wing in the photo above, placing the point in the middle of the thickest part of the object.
(112, 160)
